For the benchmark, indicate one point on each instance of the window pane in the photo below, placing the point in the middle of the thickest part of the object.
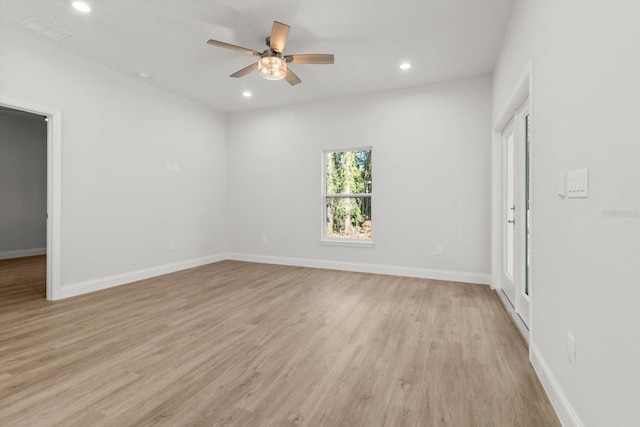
(349, 217)
(348, 172)
(527, 198)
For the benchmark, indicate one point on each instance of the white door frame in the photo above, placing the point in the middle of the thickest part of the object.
(522, 92)
(520, 253)
(54, 187)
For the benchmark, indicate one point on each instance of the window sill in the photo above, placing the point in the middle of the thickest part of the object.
(348, 242)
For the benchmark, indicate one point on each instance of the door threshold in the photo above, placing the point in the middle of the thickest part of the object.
(515, 317)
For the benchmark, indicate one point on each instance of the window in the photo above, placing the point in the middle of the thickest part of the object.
(347, 195)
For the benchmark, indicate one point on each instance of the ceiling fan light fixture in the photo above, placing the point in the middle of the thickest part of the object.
(272, 68)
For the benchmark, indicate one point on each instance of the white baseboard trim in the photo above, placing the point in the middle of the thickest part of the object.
(133, 276)
(423, 273)
(22, 253)
(567, 415)
(93, 285)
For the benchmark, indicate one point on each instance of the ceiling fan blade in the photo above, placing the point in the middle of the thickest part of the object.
(234, 47)
(246, 70)
(279, 35)
(318, 58)
(291, 77)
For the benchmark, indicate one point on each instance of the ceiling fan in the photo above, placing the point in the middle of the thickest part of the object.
(272, 65)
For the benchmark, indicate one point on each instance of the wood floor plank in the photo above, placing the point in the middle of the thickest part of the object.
(244, 344)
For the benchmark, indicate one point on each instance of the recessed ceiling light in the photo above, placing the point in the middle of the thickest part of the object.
(405, 66)
(81, 6)
(143, 75)
(246, 94)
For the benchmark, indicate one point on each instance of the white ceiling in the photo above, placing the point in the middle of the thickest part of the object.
(444, 40)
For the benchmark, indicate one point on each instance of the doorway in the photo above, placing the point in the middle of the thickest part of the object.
(52, 214)
(516, 207)
(23, 195)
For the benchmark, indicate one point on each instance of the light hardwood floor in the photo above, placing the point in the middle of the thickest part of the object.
(242, 344)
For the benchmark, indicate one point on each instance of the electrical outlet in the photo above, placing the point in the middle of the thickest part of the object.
(265, 239)
(172, 245)
(438, 250)
(571, 348)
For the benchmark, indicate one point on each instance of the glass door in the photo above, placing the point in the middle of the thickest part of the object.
(523, 199)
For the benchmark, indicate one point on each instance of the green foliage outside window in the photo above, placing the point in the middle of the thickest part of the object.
(348, 173)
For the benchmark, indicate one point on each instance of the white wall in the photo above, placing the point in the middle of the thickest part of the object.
(120, 206)
(431, 167)
(23, 184)
(586, 113)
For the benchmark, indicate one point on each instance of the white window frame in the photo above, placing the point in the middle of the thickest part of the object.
(342, 241)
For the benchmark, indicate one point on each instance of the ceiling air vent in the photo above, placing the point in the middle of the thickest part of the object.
(46, 28)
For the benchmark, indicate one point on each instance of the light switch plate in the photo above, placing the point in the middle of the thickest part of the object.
(578, 184)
